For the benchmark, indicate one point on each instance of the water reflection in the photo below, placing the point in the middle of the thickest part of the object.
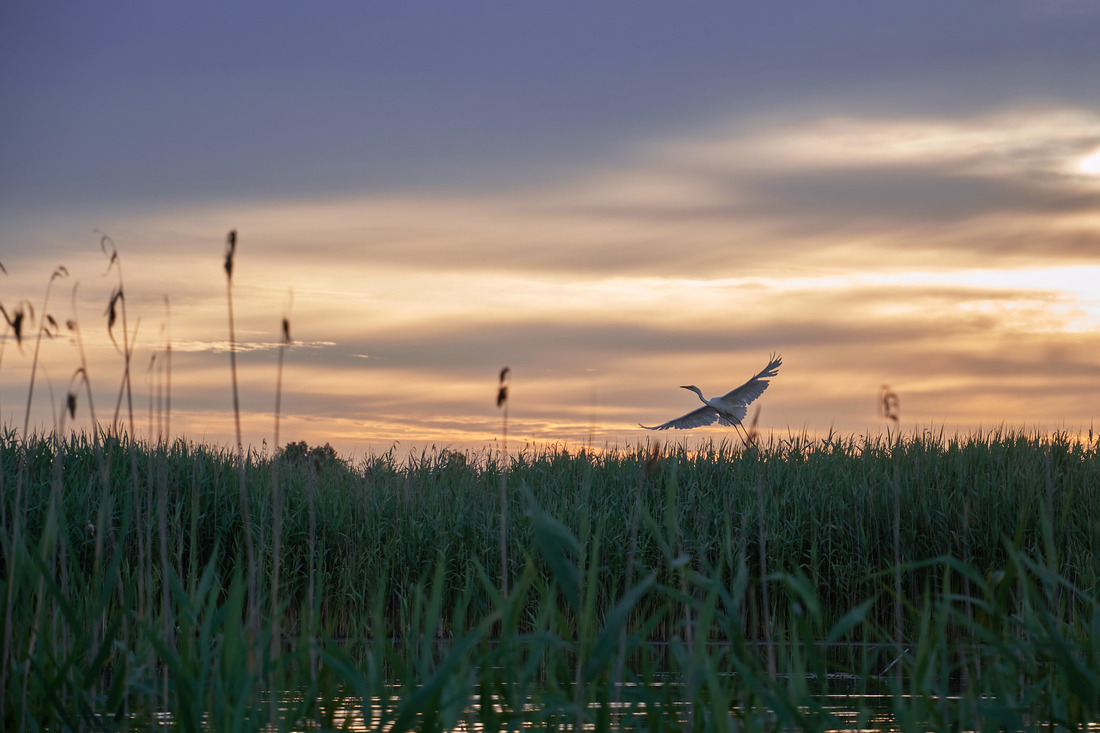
(842, 710)
(661, 694)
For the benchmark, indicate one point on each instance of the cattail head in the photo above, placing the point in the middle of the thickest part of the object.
(230, 248)
(17, 326)
(286, 318)
(502, 389)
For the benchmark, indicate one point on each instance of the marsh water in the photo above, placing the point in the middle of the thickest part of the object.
(841, 709)
(864, 691)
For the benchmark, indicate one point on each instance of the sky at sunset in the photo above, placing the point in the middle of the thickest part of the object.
(612, 199)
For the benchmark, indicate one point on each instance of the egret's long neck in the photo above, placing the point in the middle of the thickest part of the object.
(697, 391)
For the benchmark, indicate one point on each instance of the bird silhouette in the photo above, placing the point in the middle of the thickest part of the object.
(730, 408)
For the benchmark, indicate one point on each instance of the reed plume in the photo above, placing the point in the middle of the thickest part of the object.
(74, 328)
(889, 406)
(44, 326)
(116, 304)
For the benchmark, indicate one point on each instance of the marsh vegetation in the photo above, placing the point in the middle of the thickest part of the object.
(971, 563)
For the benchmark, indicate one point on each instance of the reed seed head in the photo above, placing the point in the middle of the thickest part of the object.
(889, 405)
(751, 435)
(15, 321)
(112, 312)
(652, 461)
(108, 248)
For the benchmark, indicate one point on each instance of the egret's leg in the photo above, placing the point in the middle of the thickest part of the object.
(741, 433)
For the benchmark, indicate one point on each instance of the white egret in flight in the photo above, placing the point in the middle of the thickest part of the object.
(730, 408)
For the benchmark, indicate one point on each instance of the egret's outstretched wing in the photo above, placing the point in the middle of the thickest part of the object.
(729, 409)
(705, 415)
(736, 401)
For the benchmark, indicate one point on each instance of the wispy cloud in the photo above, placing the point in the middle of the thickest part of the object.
(219, 347)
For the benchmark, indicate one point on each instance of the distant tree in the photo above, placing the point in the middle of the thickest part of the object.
(301, 454)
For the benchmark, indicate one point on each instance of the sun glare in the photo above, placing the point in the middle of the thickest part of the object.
(1090, 164)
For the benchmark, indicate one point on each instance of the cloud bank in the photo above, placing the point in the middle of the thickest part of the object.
(949, 257)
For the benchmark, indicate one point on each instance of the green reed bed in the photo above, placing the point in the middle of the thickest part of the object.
(826, 509)
(965, 568)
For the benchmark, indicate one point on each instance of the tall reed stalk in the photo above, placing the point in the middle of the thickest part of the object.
(13, 321)
(47, 322)
(246, 514)
(502, 403)
(74, 328)
(118, 296)
(277, 523)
